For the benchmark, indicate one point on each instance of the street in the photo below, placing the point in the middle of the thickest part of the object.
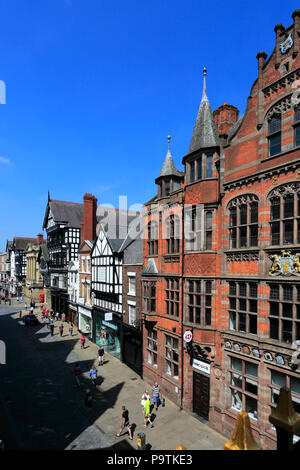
(41, 408)
(39, 404)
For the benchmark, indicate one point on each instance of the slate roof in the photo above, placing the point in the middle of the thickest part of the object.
(69, 213)
(233, 130)
(205, 132)
(151, 267)
(20, 243)
(115, 223)
(9, 245)
(44, 252)
(169, 168)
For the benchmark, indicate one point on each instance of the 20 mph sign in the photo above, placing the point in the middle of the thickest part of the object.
(188, 336)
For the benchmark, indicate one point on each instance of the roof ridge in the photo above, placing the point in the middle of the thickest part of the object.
(66, 202)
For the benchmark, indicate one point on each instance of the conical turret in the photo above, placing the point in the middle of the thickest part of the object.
(169, 168)
(205, 131)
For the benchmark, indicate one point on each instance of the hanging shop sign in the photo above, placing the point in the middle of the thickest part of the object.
(188, 336)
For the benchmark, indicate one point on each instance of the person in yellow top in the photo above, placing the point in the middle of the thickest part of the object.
(147, 413)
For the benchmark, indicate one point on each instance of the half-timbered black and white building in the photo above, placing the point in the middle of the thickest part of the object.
(62, 223)
(107, 260)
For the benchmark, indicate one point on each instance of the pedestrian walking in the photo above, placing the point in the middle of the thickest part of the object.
(52, 329)
(147, 413)
(63, 317)
(17, 299)
(101, 355)
(31, 309)
(57, 316)
(93, 375)
(25, 306)
(61, 329)
(155, 394)
(145, 397)
(71, 329)
(125, 423)
(47, 321)
(82, 341)
(77, 372)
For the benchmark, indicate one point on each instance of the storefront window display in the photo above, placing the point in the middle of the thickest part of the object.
(107, 334)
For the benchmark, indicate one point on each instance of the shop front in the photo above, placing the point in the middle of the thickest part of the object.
(72, 314)
(85, 321)
(107, 334)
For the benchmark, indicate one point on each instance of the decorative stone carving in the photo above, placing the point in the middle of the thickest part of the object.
(286, 264)
(243, 256)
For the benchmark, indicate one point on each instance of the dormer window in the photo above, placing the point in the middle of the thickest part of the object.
(274, 135)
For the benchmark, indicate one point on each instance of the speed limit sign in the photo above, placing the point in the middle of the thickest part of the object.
(188, 336)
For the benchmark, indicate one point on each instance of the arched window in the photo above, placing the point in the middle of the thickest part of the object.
(285, 214)
(243, 222)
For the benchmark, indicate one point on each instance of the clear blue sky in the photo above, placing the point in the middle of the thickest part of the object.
(94, 87)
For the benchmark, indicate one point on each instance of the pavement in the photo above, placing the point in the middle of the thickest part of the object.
(119, 385)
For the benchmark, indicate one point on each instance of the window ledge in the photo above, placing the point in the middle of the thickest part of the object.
(269, 157)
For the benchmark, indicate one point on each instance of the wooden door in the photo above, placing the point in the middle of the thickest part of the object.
(201, 395)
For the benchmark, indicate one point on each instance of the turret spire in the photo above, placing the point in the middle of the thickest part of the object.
(169, 168)
(205, 133)
(204, 94)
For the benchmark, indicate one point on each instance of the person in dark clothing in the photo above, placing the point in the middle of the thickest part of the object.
(61, 329)
(51, 328)
(101, 355)
(125, 423)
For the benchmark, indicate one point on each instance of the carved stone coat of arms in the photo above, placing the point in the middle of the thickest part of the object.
(286, 264)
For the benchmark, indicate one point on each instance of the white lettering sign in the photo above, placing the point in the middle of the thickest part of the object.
(203, 366)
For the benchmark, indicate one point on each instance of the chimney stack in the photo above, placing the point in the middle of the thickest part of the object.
(40, 238)
(225, 116)
(89, 217)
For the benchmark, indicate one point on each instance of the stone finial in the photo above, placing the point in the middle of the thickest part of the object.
(169, 140)
(296, 13)
(204, 94)
(242, 438)
(279, 28)
(284, 416)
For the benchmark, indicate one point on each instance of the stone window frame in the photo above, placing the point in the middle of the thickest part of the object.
(152, 241)
(152, 347)
(172, 296)
(171, 356)
(199, 161)
(172, 233)
(284, 309)
(282, 192)
(199, 301)
(246, 381)
(149, 296)
(286, 381)
(242, 306)
(236, 203)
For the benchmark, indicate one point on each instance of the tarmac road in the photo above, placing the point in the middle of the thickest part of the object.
(40, 407)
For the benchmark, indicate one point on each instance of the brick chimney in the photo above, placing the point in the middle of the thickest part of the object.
(40, 238)
(89, 217)
(225, 116)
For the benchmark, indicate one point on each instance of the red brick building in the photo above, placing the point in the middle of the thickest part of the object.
(222, 255)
